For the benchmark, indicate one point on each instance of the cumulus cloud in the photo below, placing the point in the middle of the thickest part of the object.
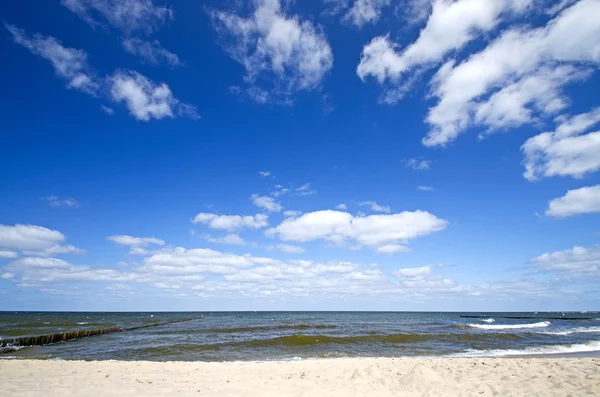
(265, 174)
(566, 151)
(518, 78)
(128, 16)
(54, 201)
(342, 207)
(288, 214)
(34, 240)
(266, 202)
(451, 25)
(68, 63)
(575, 261)
(287, 248)
(231, 222)
(375, 231)
(585, 200)
(363, 12)
(561, 49)
(135, 241)
(376, 207)
(145, 99)
(150, 51)
(290, 52)
(8, 254)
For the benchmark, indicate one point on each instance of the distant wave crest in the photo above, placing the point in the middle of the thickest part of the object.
(488, 320)
(591, 346)
(509, 326)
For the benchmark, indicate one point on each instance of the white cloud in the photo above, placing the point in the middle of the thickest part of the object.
(305, 190)
(230, 239)
(287, 248)
(376, 207)
(363, 12)
(146, 99)
(576, 261)
(413, 271)
(585, 200)
(342, 207)
(392, 249)
(265, 174)
(418, 164)
(266, 202)
(374, 231)
(135, 241)
(56, 202)
(69, 63)
(271, 45)
(279, 191)
(288, 214)
(231, 222)
(7, 276)
(34, 240)
(128, 16)
(451, 25)
(566, 151)
(8, 254)
(519, 56)
(426, 188)
(151, 52)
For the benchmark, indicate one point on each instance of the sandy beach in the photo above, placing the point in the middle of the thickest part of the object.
(330, 377)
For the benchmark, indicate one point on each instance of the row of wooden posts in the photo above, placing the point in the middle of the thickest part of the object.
(72, 335)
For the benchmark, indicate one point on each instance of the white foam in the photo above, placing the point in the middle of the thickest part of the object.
(83, 323)
(510, 326)
(572, 331)
(591, 346)
(488, 320)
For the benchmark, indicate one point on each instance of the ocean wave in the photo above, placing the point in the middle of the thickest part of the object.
(591, 346)
(83, 323)
(505, 326)
(488, 320)
(571, 331)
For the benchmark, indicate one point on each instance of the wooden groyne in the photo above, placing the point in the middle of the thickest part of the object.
(72, 335)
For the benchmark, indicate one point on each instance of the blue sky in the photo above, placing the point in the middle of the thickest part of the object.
(278, 155)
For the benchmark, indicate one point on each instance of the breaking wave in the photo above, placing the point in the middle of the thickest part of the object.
(591, 346)
(505, 326)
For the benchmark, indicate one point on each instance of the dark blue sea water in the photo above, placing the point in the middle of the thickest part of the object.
(258, 336)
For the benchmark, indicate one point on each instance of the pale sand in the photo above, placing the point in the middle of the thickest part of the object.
(329, 377)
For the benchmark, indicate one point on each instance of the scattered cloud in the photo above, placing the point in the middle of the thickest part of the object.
(534, 59)
(265, 174)
(288, 214)
(573, 262)
(287, 248)
(291, 53)
(34, 240)
(127, 16)
(107, 110)
(518, 78)
(8, 254)
(341, 207)
(68, 63)
(361, 12)
(266, 202)
(376, 207)
(231, 222)
(151, 52)
(418, 164)
(280, 191)
(426, 188)
(585, 200)
(56, 202)
(146, 99)
(413, 271)
(136, 244)
(375, 231)
(305, 190)
(566, 151)
(230, 239)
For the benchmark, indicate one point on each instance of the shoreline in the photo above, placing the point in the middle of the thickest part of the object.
(531, 376)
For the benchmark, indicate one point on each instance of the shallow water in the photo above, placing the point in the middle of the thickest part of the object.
(228, 336)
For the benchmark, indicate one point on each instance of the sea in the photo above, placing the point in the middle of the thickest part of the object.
(268, 336)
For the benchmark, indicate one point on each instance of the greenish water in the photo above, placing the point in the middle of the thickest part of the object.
(258, 336)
